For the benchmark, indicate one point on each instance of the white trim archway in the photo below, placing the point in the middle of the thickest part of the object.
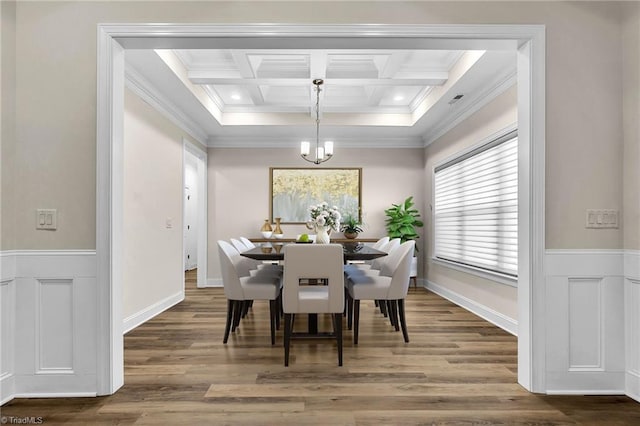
(528, 40)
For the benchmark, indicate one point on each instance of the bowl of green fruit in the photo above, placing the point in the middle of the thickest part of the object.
(304, 239)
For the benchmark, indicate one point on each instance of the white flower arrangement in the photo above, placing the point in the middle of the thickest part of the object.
(323, 215)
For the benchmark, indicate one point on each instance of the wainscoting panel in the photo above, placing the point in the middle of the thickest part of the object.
(54, 347)
(632, 321)
(54, 324)
(7, 324)
(585, 322)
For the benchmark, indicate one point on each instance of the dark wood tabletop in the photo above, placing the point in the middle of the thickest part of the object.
(274, 251)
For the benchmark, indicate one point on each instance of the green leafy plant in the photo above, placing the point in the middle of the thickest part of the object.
(402, 221)
(351, 225)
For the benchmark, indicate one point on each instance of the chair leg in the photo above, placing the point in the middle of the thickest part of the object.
(245, 307)
(356, 320)
(389, 312)
(393, 314)
(272, 320)
(346, 297)
(403, 321)
(383, 307)
(237, 311)
(338, 332)
(349, 311)
(287, 337)
(278, 303)
(227, 327)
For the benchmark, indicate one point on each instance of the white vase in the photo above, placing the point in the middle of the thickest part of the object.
(322, 235)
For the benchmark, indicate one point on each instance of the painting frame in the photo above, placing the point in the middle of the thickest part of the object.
(286, 178)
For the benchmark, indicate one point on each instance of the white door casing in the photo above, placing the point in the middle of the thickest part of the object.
(528, 40)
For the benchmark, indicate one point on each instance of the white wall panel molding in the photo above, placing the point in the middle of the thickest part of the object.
(585, 321)
(51, 337)
(54, 326)
(506, 323)
(632, 264)
(146, 314)
(7, 265)
(7, 337)
(632, 323)
(585, 263)
(586, 349)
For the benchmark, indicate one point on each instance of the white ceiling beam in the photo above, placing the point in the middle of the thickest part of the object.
(391, 67)
(430, 79)
(241, 60)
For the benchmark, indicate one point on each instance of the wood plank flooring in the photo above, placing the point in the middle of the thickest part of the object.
(457, 370)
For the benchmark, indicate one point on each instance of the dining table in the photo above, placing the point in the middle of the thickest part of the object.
(352, 251)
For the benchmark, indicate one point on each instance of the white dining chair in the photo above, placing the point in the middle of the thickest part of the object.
(254, 264)
(316, 263)
(392, 285)
(239, 245)
(240, 287)
(374, 264)
(247, 242)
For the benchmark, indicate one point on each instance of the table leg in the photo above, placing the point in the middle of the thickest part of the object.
(313, 323)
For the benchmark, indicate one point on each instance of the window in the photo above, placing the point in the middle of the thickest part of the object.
(476, 207)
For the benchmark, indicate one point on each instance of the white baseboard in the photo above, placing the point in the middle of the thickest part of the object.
(509, 325)
(586, 383)
(632, 385)
(146, 314)
(58, 395)
(214, 282)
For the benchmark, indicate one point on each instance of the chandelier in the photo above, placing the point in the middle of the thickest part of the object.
(323, 153)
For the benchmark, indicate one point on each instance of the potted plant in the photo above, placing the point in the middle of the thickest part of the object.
(402, 221)
(351, 227)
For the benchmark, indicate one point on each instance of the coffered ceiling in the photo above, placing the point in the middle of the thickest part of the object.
(370, 97)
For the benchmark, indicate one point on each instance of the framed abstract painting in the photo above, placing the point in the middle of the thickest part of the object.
(294, 190)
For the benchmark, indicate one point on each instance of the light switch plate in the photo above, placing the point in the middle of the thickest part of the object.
(47, 219)
(602, 218)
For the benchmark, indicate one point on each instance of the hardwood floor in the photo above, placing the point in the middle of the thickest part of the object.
(457, 369)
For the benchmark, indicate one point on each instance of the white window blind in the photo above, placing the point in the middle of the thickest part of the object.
(476, 207)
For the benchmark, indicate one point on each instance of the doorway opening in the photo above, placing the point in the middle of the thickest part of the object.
(527, 40)
(195, 211)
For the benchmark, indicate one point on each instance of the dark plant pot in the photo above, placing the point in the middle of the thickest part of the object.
(351, 235)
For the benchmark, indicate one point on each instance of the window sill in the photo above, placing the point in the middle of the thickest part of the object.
(488, 275)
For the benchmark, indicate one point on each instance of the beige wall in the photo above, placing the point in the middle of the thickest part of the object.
(7, 123)
(631, 102)
(239, 188)
(153, 263)
(56, 98)
(495, 116)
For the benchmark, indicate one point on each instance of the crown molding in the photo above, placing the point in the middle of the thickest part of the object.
(500, 86)
(283, 142)
(139, 85)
